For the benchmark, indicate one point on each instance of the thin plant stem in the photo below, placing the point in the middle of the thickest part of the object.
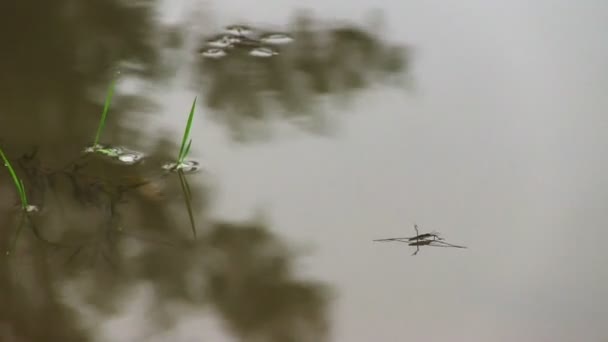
(186, 190)
(183, 151)
(106, 108)
(18, 182)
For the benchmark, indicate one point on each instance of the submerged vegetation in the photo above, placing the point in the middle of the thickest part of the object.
(18, 182)
(181, 165)
(25, 206)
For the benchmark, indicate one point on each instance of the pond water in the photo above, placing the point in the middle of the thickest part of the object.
(493, 135)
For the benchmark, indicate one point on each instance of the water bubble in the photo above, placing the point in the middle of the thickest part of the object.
(276, 38)
(263, 52)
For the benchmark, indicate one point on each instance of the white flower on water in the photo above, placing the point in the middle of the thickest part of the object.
(276, 38)
(105, 150)
(93, 148)
(130, 157)
(234, 39)
(220, 42)
(213, 53)
(263, 52)
(239, 30)
(186, 166)
(31, 208)
(112, 152)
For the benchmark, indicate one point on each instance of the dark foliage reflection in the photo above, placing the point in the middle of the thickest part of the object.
(111, 226)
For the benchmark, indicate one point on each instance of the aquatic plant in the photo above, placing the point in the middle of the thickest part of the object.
(181, 165)
(185, 149)
(104, 114)
(117, 153)
(18, 182)
(25, 206)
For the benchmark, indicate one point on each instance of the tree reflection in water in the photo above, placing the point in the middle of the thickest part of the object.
(120, 225)
(334, 59)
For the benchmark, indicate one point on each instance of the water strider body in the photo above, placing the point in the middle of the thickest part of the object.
(432, 243)
(434, 236)
(425, 239)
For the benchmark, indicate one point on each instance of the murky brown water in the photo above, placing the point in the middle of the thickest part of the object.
(105, 225)
(497, 143)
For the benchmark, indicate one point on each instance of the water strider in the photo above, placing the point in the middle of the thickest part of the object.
(425, 239)
(434, 236)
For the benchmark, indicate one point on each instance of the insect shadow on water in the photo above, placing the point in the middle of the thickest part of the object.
(426, 239)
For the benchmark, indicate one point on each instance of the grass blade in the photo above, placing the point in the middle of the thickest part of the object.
(106, 107)
(186, 190)
(188, 193)
(16, 180)
(22, 194)
(187, 150)
(181, 155)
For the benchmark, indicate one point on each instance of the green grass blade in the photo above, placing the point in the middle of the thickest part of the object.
(186, 190)
(181, 155)
(106, 108)
(23, 195)
(16, 180)
(187, 150)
